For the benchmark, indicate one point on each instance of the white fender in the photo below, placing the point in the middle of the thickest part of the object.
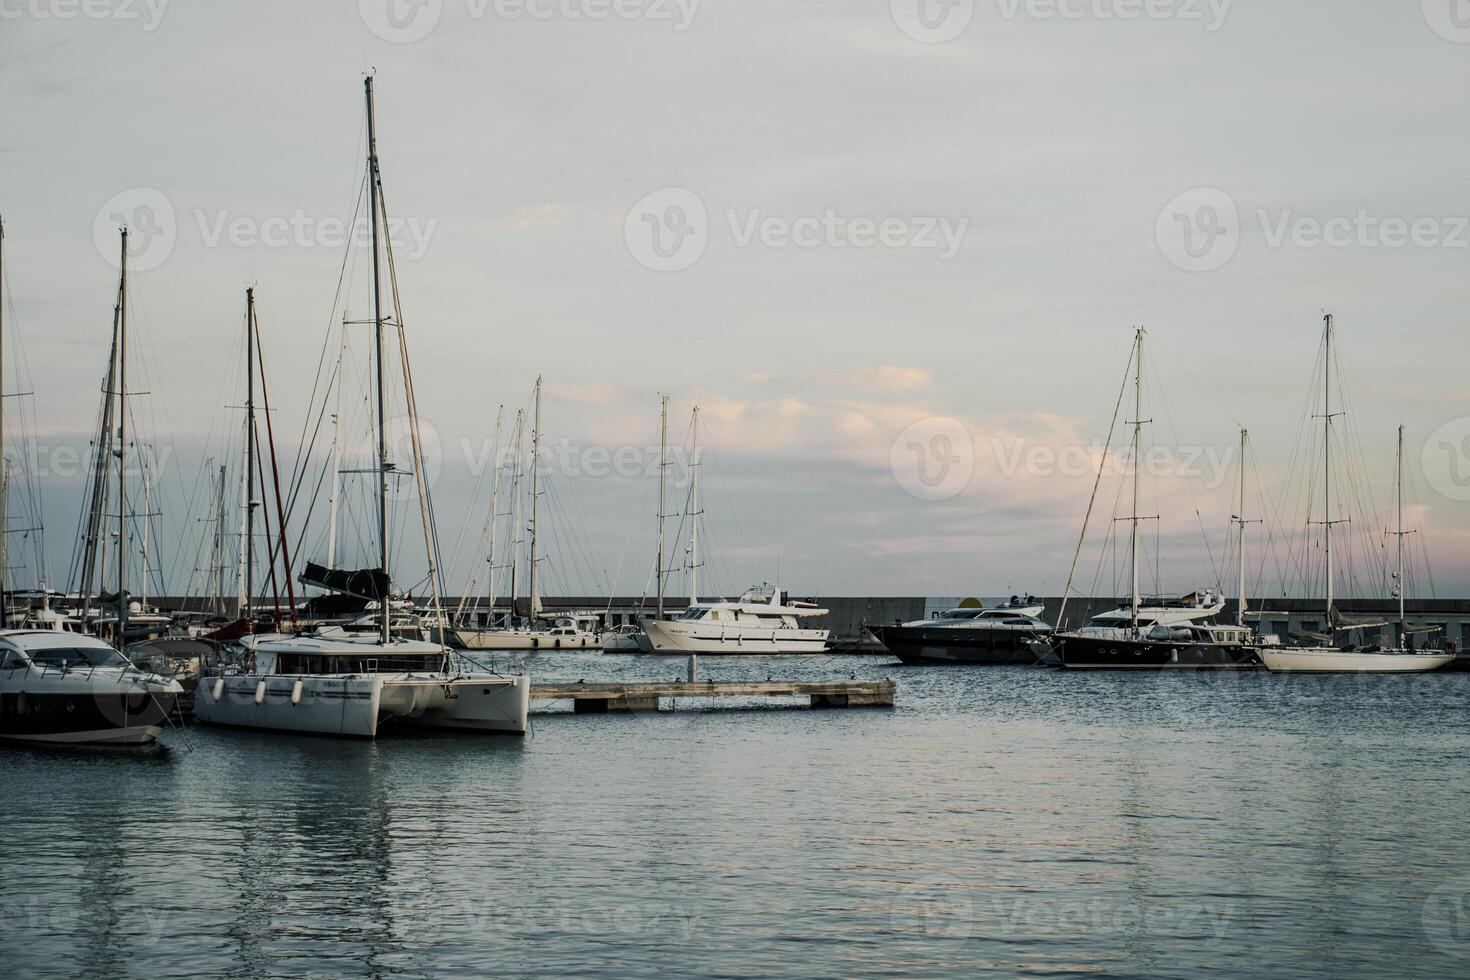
(296, 692)
(260, 693)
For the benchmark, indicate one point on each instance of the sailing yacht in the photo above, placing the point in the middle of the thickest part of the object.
(1322, 654)
(1154, 633)
(353, 684)
(761, 621)
(539, 633)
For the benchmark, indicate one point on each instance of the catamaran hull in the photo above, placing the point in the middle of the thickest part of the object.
(1106, 653)
(358, 706)
(927, 645)
(1288, 660)
(675, 637)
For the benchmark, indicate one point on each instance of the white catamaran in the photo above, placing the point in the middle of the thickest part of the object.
(341, 683)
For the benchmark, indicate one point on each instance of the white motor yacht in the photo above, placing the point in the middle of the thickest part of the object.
(70, 688)
(758, 623)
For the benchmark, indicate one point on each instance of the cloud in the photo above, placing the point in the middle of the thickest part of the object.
(888, 379)
(541, 216)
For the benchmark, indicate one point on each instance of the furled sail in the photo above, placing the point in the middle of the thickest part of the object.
(1341, 622)
(367, 583)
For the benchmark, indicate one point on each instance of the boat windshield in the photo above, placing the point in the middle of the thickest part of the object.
(75, 657)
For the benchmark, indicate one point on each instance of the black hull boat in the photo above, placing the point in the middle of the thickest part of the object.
(1010, 634)
(943, 645)
(70, 689)
(1115, 653)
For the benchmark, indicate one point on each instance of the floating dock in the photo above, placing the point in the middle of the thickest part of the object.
(596, 699)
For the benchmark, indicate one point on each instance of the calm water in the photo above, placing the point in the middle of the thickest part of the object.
(998, 820)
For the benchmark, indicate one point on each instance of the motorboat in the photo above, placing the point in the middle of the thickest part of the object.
(761, 621)
(70, 688)
(1011, 633)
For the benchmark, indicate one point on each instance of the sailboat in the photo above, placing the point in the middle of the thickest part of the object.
(59, 686)
(1321, 654)
(1154, 633)
(538, 632)
(343, 683)
(633, 637)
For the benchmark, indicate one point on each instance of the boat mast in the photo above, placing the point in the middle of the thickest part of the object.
(694, 510)
(515, 511)
(382, 417)
(217, 571)
(494, 519)
(1399, 506)
(4, 466)
(535, 499)
(663, 452)
(122, 447)
(249, 533)
(1137, 448)
(1240, 519)
(336, 491)
(1327, 460)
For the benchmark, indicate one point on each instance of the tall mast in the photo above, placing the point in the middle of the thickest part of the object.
(494, 519)
(535, 498)
(1399, 506)
(382, 397)
(515, 511)
(694, 510)
(1240, 519)
(1327, 460)
(335, 492)
(122, 447)
(1137, 448)
(217, 572)
(663, 463)
(249, 535)
(4, 470)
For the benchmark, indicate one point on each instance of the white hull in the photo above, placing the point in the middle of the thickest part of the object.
(674, 636)
(621, 643)
(1288, 660)
(523, 640)
(357, 705)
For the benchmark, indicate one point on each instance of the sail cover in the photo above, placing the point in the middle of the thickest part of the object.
(367, 583)
(1341, 622)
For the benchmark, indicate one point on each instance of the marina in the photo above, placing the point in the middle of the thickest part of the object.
(643, 490)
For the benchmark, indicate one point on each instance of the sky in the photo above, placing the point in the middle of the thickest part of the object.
(896, 250)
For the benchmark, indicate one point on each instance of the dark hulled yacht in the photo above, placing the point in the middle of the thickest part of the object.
(1012, 633)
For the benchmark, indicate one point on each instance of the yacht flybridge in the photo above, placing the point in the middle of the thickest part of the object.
(338, 682)
(760, 622)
